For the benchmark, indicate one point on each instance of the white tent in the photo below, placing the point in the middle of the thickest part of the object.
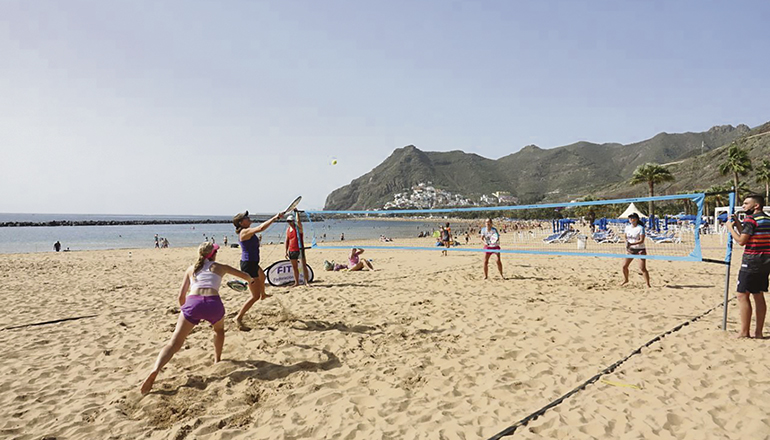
(632, 209)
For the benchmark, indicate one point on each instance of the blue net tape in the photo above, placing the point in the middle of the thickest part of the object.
(694, 255)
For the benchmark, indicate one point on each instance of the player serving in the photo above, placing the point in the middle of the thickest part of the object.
(491, 239)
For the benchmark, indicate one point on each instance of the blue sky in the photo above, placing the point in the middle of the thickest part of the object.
(215, 107)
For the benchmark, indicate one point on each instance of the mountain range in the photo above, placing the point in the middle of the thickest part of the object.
(556, 174)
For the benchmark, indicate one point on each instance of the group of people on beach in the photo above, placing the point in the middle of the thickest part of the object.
(161, 242)
(199, 291)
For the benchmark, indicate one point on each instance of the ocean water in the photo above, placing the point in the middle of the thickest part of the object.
(77, 238)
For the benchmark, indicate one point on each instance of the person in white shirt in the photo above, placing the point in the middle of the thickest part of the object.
(491, 239)
(635, 246)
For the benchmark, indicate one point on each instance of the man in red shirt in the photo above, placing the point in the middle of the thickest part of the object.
(292, 249)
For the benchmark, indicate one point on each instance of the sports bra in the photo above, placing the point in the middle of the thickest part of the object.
(205, 278)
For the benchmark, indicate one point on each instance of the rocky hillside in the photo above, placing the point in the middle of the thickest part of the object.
(534, 174)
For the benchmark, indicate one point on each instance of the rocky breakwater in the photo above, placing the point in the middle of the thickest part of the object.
(118, 222)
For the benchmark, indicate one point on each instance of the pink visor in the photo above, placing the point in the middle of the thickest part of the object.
(211, 254)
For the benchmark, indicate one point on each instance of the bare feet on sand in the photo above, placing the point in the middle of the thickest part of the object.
(241, 326)
(147, 385)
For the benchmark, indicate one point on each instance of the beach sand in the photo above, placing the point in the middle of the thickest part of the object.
(422, 348)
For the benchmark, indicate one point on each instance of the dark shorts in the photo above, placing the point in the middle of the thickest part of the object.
(636, 251)
(197, 308)
(293, 255)
(250, 267)
(752, 282)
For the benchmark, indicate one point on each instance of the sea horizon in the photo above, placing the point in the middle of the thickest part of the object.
(47, 217)
(31, 239)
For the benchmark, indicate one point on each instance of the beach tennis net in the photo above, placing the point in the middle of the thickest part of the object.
(584, 228)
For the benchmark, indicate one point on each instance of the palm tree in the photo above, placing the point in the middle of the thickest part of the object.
(738, 163)
(651, 173)
(763, 176)
(716, 199)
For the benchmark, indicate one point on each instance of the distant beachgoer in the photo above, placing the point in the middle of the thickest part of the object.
(342, 236)
(755, 267)
(165, 243)
(293, 250)
(225, 241)
(57, 246)
(199, 300)
(491, 239)
(157, 242)
(356, 262)
(591, 218)
(446, 238)
(249, 242)
(635, 246)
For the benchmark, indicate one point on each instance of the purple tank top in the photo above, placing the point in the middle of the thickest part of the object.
(250, 249)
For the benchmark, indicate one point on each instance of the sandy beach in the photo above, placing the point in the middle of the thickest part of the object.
(422, 348)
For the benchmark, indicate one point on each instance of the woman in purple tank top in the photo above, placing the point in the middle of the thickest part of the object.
(247, 237)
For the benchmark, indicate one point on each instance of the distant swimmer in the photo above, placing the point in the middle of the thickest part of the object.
(199, 300)
(491, 239)
(249, 242)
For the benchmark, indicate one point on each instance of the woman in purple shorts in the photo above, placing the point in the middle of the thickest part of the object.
(200, 301)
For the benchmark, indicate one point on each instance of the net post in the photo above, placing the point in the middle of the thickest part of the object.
(728, 258)
(300, 242)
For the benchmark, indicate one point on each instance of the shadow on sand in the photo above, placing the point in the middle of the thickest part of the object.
(260, 370)
(323, 326)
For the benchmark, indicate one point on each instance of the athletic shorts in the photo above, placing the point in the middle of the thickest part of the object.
(250, 267)
(631, 251)
(492, 248)
(209, 308)
(753, 282)
(293, 255)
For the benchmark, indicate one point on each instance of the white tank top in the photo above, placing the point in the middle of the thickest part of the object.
(205, 278)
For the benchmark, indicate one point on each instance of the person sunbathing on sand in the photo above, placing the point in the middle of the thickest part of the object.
(357, 263)
(199, 300)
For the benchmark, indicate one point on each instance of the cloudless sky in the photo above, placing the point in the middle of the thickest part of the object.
(187, 107)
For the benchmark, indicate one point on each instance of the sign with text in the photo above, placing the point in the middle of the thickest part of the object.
(281, 273)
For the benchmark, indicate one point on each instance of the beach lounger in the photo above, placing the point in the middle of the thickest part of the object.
(566, 238)
(555, 237)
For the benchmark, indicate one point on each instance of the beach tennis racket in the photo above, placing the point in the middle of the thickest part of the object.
(238, 286)
(293, 205)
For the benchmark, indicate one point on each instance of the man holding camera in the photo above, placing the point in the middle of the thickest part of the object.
(754, 235)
